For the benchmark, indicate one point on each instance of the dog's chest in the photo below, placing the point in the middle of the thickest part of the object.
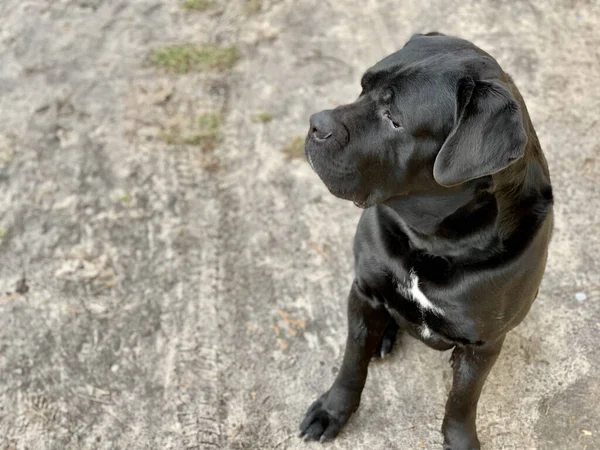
(415, 306)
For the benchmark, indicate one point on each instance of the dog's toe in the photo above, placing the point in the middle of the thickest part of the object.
(320, 425)
(327, 416)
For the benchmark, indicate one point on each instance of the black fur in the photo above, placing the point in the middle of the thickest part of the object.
(440, 150)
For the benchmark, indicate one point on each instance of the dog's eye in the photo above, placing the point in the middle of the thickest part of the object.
(391, 119)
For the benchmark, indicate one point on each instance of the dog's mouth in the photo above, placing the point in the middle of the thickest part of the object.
(310, 161)
(361, 205)
(341, 179)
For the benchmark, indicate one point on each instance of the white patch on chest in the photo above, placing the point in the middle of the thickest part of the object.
(425, 331)
(411, 291)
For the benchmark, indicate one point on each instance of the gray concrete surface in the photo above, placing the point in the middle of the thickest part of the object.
(187, 298)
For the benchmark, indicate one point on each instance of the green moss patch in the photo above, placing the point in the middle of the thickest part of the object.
(294, 149)
(253, 6)
(205, 132)
(263, 117)
(187, 58)
(197, 5)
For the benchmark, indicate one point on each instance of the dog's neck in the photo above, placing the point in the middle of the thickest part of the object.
(436, 221)
(481, 215)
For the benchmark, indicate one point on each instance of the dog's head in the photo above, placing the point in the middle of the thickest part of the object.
(435, 114)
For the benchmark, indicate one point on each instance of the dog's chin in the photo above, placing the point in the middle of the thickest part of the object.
(343, 184)
(346, 189)
(362, 201)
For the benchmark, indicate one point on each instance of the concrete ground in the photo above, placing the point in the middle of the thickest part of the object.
(172, 273)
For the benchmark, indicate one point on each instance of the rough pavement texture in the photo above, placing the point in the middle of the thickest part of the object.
(187, 297)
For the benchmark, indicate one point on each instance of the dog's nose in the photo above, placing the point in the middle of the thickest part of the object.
(322, 125)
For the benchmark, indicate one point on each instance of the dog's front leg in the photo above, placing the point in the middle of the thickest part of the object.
(471, 365)
(367, 320)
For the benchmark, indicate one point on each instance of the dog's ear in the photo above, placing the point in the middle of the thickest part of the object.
(488, 134)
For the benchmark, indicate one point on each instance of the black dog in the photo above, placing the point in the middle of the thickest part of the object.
(451, 249)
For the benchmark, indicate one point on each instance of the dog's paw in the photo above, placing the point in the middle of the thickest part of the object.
(387, 340)
(325, 419)
(449, 446)
(460, 437)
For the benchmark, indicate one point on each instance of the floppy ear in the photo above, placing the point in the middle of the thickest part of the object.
(487, 137)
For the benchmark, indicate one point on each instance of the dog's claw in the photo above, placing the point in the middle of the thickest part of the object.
(386, 345)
